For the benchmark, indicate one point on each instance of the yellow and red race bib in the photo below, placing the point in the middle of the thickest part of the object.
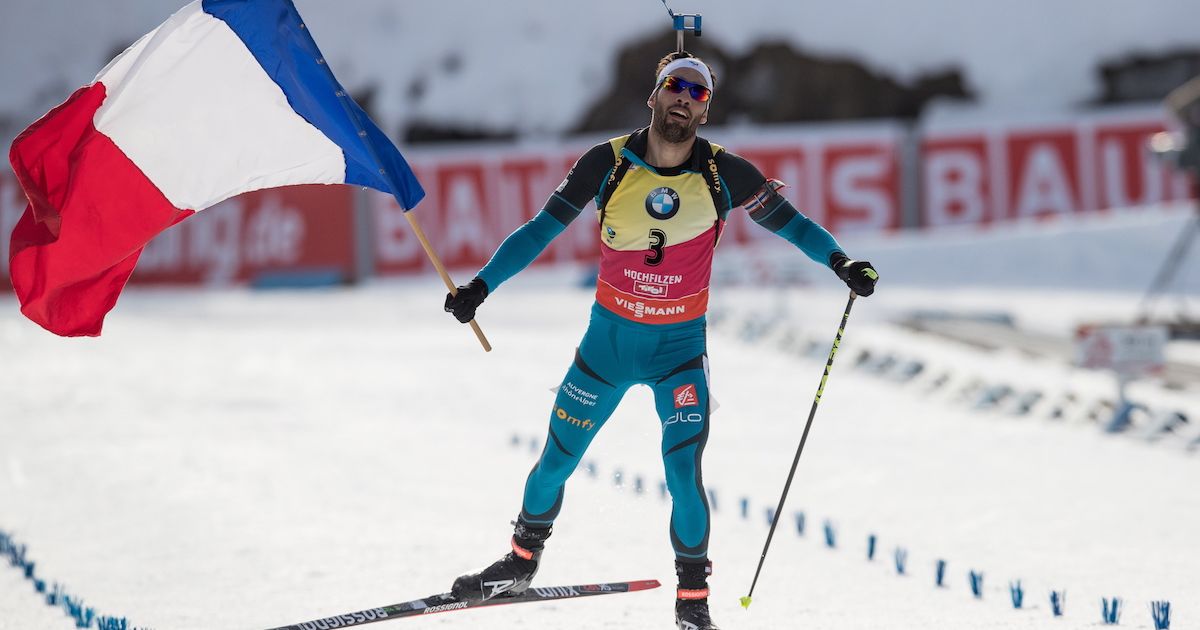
(657, 235)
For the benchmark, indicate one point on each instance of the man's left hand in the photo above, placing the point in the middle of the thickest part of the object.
(859, 275)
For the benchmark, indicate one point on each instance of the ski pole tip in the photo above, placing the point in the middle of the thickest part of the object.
(746, 602)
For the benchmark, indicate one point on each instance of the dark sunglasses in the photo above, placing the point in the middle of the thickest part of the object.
(697, 91)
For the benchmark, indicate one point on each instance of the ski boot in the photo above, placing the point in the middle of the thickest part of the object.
(509, 575)
(691, 600)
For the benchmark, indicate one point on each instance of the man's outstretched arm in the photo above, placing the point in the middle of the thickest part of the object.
(527, 242)
(774, 212)
(516, 253)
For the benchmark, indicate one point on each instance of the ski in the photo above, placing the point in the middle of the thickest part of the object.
(445, 602)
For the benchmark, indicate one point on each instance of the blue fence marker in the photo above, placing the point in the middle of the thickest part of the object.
(619, 478)
(1018, 594)
(770, 516)
(662, 490)
(800, 523)
(901, 560)
(516, 441)
(871, 547)
(1111, 609)
(712, 499)
(941, 574)
(113, 623)
(745, 508)
(639, 486)
(590, 467)
(82, 615)
(534, 445)
(1058, 601)
(830, 536)
(976, 584)
(1161, 611)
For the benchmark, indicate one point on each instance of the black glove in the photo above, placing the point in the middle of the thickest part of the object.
(859, 275)
(468, 298)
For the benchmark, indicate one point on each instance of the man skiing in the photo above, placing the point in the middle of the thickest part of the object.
(662, 196)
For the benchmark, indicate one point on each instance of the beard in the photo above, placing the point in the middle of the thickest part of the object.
(672, 130)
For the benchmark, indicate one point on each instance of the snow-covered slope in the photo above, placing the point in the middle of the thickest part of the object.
(242, 460)
(534, 66)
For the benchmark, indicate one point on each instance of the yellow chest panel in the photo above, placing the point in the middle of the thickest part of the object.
(680, 206)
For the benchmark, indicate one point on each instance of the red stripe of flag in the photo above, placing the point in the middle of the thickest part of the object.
(91, 211)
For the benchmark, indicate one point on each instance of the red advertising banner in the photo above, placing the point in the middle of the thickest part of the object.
(849, 182)
(846, 177)
(1043, 174)
(1021, 171)
(957, 182)
(862, 184)
(299, 229)
(295, 230)
(1127, 174)
(470, 206)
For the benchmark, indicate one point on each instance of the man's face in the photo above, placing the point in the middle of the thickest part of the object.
(676, 116)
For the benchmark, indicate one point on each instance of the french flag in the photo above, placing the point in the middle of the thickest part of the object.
(225, 97)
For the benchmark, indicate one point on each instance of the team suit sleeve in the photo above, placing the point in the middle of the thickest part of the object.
(525, 244)
(761, 198)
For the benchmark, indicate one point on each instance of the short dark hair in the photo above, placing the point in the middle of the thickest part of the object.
(683, 54)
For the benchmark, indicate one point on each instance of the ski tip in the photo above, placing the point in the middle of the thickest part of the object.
(745, 601)
(643, 585)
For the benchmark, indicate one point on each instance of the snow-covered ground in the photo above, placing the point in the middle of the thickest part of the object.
(237, 459)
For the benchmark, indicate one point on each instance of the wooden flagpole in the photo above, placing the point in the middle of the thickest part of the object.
(437, 264)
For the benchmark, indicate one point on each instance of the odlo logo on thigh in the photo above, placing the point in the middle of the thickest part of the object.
(562, 414)
(684, 418)
(685, 396)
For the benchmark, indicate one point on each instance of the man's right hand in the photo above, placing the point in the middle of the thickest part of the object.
(468, 298)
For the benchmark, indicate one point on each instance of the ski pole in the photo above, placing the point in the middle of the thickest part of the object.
(800, 449)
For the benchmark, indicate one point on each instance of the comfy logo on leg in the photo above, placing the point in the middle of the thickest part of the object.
(562, 414)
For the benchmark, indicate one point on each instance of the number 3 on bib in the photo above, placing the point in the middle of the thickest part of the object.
(658, 241)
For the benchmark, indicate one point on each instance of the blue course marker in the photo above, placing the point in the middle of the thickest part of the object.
(1058, 601)
(1018, 594)
(830, 536)
(1111, 609)
(901, 560)
(976, 584)
(1161, 612)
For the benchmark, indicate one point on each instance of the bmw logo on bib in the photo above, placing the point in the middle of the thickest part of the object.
(662, 203)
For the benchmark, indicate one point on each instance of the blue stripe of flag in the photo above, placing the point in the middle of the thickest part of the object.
(274, 33)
